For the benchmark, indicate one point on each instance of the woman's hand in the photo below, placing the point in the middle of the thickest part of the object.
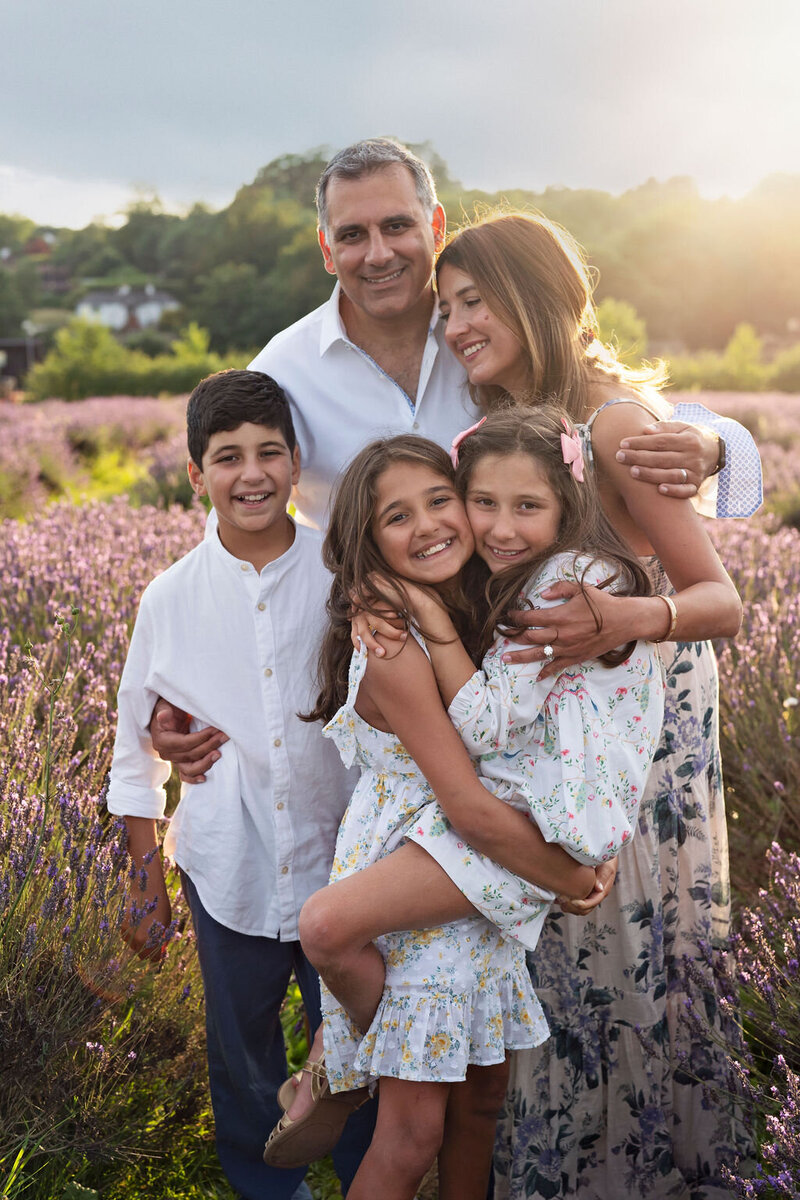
(570, 628)
(605, 874)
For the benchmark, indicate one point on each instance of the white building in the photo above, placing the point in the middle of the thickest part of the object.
(125, 309)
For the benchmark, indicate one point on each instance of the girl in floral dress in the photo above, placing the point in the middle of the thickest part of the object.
(432, 1021)
(617, 1102)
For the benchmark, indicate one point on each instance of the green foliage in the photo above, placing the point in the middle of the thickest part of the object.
(15, 232)
(113, 472)
(740, 368)
(229, 302)
(13, 306)
(784, 374)
(86, 360)
(620, 326)
(84, 351)
(742, 359)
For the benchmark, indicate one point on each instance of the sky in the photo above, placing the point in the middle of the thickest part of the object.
(103, 102)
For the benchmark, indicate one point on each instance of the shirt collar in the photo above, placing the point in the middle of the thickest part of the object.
(232, 563)
(333, 330)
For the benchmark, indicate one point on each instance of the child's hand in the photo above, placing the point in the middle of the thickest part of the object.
(605, 875)
(429, 612)
(148, 912)
(371, 617)
(367, 627)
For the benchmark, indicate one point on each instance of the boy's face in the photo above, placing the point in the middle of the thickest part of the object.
(247, 473)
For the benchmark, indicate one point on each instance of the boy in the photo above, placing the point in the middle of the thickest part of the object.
(229, 634)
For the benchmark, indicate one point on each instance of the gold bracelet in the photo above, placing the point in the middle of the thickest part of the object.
(673, 617)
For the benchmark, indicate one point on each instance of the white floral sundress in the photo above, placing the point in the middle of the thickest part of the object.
(455, 995)
(573, 752)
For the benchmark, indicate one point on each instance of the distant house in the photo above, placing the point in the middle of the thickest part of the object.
(17, 356)
(126, 309)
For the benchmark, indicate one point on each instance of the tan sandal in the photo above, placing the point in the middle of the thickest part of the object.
(288, 1089)
(294, 1143)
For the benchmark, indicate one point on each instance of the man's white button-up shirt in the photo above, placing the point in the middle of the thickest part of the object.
(238, 650)
(341, 399)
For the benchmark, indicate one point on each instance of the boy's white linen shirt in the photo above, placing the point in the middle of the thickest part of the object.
(341, 399)
(237, 650)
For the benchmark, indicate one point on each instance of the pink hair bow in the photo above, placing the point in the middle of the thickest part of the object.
(459, 438)
(572, 451)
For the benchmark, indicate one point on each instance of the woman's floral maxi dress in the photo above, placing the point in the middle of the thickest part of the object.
(614, 1105)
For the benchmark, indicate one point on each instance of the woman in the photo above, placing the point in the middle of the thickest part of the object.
(612, 1105)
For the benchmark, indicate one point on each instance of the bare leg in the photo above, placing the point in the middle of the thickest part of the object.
(470, 1124)
(407, 1137)
(405, 890)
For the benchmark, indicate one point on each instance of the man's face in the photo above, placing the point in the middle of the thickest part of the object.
(379, 241)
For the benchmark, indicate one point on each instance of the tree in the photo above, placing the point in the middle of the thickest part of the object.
(229, 303)
(83, 351)
(141, 238)
(620, 326)
(13, 308)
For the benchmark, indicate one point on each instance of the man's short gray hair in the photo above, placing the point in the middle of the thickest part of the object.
(370, 155)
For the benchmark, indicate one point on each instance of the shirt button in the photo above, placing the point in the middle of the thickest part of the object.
(261, 606)
(279, 804)
(284, 870)
(415, 425)
(267, 672)
(277, 742)
(244, 566)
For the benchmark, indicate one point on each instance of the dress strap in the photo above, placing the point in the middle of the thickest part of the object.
(358, 666)
(585, 430)
(624, 400)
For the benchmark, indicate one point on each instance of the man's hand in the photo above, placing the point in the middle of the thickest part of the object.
(674, 456)
(569, 628)
(606, 874)
(192, 753)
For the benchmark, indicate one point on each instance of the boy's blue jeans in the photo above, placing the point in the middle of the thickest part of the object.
(245, 980)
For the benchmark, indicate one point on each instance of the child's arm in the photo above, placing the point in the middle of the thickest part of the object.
(577, 748)
(451, 664)
(487, 708)
(404, 690)
(135, 789)
(147, 889)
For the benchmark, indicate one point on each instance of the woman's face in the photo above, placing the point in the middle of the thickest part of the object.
(491, 353)
(420, 524)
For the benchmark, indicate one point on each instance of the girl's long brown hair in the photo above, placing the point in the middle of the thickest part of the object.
(352, 556)
(584, 529)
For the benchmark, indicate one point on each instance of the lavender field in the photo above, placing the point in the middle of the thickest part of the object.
(101, 1065)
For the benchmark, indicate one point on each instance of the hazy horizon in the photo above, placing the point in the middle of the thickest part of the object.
(189, 102)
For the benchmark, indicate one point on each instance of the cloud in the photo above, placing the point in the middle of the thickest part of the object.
(190, 98)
